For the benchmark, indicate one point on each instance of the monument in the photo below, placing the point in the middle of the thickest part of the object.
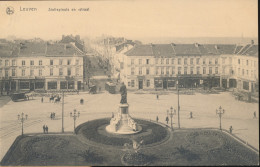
(122, 122)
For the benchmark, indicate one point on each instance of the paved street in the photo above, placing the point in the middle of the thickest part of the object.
(142, 105)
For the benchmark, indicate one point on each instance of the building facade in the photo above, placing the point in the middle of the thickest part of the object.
(160, 66)
(42, 66)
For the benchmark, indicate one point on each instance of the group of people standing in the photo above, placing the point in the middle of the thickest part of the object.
(45, 129)
(52, 115)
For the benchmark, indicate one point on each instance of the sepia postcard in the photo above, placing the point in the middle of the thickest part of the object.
(129, 83)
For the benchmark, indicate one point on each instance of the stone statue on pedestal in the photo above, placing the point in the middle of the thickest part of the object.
(123, 92)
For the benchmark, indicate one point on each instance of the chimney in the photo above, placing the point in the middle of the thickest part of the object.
(252, 42)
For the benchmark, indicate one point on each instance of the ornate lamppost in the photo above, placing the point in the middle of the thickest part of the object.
(22, 118)
(220, 111)
(75, 115)
(171, 115)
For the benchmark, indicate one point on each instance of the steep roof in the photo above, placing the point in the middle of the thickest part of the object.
(186, 49)
(165, 50)
(140, 50)
(226, 49)
(252, 51)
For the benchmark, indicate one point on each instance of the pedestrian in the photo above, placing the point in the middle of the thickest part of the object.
(99, 88)
(230, 129)
(46, 129)
(254, 114)
(51, 115)
(167, 119)
(157, 96)
(157, 119)
(112, 115)
(42, 99)
(54, 115)
(191, 115)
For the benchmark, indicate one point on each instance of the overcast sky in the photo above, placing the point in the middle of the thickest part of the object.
(133, 19)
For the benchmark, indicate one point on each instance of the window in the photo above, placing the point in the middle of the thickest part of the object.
(247, 62)
(77, 62)
(254, 63)
(60, 62)
(247, 72)
(68, 62)
(132, 61)
(230, 60)
(252, 73)
(216, 70)
(132, 83)
(77, 71)
(0, 72)
(179, 60)
(191, 60)
(147, 83)
(6, 62)
(23, 72)
(198, 70)
(223, 70)
(162, 70)
(132, 71)
(140, 61)
(69, 71)
(32, 63)
(6, 73)
(0, 62)
(13, 63)
(32, 72)
(216, 60)
(238, 71)
(223, 60)
(13, 72)
(140, 70)
(204, 70)
(40, 72)
(60, 71)
(40, 62)
(243, 72)
(156, 61)
(185, 60)
(172, 61)
(167, 61)
(238, 60)
(198, 60)
(157, 71)
(51, 62)
(167, 70)
(173, 70)
(147, 61)
(179, 70)
(185, 70)
(210, 70)
(191, 70)
(210, 61)
(204, 61)
(51, 72)
(147, 71)
(162, 61)
(129, 84)
(23, 63)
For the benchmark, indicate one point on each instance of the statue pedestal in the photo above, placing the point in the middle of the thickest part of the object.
(122, 123)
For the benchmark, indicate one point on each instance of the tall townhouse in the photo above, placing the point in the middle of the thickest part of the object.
(42, 66)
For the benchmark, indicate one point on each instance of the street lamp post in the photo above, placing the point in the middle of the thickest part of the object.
(62, 123)
(178, 102)
(22, 118)
(171, 115)
(220, 111)
(75, 115)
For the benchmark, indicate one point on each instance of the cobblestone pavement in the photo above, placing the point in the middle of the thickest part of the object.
(141, 105)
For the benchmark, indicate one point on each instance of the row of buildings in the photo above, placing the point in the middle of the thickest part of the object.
(161, 66)
(38, 65)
